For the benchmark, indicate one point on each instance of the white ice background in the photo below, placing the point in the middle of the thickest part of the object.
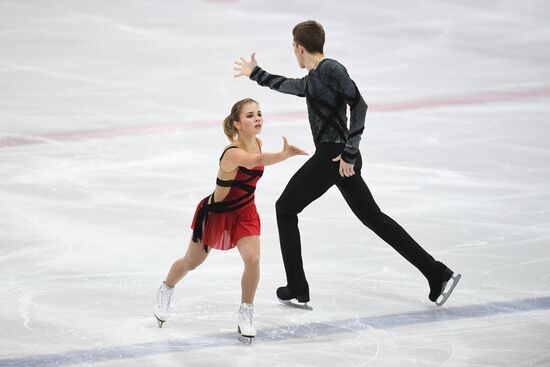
(110, 131)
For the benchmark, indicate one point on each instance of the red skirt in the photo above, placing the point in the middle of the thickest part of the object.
(224, 230)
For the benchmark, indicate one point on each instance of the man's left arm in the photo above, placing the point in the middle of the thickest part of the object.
(346, 88)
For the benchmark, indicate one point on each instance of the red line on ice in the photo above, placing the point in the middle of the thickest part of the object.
(492, 97)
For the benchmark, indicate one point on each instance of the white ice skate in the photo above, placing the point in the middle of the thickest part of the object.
(246, 331)
(447, 289)
(162, 303)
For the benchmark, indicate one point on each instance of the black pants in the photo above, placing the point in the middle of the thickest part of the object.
(310, 182)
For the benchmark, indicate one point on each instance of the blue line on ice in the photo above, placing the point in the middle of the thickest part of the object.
(281, 333)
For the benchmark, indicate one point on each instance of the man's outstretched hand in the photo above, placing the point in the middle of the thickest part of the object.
(244, 67)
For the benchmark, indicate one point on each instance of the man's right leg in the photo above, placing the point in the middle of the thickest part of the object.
(310, 182)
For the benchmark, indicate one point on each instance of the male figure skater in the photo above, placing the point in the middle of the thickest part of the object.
(337, 161)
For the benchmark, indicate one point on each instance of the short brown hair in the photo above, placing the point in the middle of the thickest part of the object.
(311, 35)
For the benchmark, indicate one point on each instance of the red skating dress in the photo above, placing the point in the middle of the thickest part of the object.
(233, 218)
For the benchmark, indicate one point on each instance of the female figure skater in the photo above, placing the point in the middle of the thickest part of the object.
(228, 218)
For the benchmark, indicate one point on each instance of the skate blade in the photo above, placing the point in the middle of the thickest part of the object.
(245, 339)
(159, 321)
(446, 293)
(303, 306)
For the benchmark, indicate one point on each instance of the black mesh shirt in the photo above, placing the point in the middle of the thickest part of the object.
(328, 89)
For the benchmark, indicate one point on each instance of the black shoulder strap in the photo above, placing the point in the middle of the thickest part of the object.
(226, 149)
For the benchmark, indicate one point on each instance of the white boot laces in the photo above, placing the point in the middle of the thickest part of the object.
(165, 296)
(247, 311)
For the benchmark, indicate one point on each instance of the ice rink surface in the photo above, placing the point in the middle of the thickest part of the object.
(110, 132)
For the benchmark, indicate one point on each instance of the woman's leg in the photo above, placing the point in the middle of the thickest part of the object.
(249, 248)
(194, 257)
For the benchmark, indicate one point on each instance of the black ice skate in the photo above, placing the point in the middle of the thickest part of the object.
(440, 289)
(285, 296)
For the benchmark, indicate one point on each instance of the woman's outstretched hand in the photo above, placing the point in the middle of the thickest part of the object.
(244, 68)
(291, 150)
